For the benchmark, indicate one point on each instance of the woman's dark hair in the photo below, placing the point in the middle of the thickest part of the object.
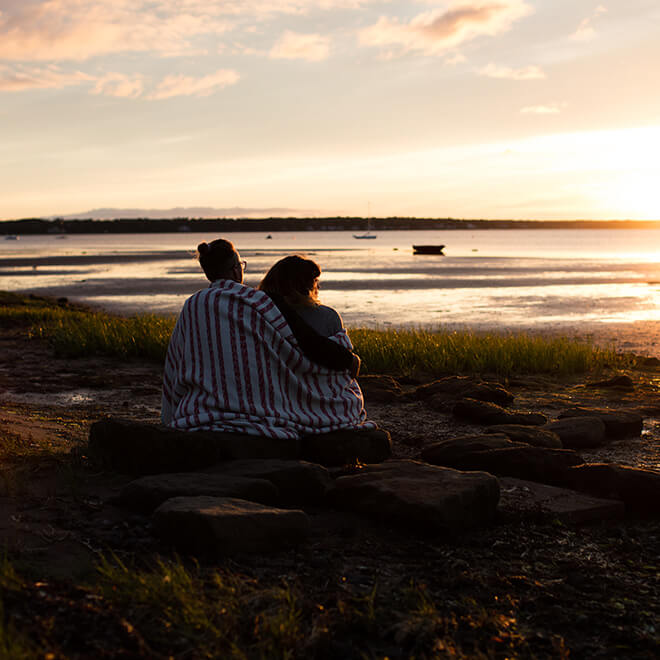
(293, 278)
(216, 258)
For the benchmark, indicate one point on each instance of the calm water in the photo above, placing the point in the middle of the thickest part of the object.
(487, 278)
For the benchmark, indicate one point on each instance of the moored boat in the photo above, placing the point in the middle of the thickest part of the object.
(11, 237)
(428, 249)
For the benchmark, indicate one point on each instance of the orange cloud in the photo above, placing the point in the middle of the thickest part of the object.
(524, 73)
(18, 80)
(435, 32)
(189, 86)
(295, 46)
(119, 84)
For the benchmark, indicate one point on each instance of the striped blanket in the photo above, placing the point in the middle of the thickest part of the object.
(233, 364)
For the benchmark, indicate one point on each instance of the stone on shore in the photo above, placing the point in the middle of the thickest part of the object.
(298, 482)
(344, 447)
(140, 448)
(483, 412)
(147, 493)
(528, 499)
(417, 495)
(445, 452)
(452, 388)
(618, 423)
(532, 435)
(380, 389)
(637, 488)
(578, 432)
(224, 525)
(548, 466)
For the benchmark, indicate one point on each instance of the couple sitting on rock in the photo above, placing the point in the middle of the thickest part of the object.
(269, 361)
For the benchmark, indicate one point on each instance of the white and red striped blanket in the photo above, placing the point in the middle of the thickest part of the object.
(233, 364)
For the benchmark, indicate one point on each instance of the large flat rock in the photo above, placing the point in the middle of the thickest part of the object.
(618, 423)
(528, 499)
(415, 494)
(147, 493)
(637, 488)
(224, 525)
(452, 388)
(531, 435)
(345, 447)
(447, 452)
(584, 432)
(139, 448)
(298, 482)
(484, 412)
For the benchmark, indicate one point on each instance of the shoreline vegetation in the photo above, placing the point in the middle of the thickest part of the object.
(75, 331)
(36, 226)
(78, 581)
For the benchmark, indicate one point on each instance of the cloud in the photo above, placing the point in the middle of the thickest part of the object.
(25, 78)
(119, 84)
(189, 86)
(437, 31)
(37, 30)
(586, 31)
(525, 73)
(550, 109)
(295, 46)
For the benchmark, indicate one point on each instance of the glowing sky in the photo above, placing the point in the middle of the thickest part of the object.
(467, 108)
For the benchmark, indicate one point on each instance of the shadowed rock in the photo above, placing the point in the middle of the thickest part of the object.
(139, 448)
(147, 493)
(578, 432)
(483, 412)
(446, 452)
(460, 387)
(540, 464)
(223, 525)
(621, 382)
(618, 423)
(297, 481)
(532, 435)
(637, 488)
(380, 389)
(418, 495)
(528, 499)
(343, 447)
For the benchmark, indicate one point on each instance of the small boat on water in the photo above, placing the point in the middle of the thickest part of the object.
(428, 249)
(11, 237)
(367, 234)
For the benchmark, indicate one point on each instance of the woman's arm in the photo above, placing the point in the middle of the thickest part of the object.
(316, 347)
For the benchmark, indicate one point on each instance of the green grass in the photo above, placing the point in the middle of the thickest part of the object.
(77, 332)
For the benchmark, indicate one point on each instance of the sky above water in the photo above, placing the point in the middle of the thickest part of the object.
(469, 108)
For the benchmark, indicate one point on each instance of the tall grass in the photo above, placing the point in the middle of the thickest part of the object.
(77, 332)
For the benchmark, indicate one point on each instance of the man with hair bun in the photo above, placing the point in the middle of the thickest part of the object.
(239, 360)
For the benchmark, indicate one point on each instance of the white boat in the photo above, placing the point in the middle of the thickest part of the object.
(367, 234)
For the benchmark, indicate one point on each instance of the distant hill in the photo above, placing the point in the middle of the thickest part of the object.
(183, 212)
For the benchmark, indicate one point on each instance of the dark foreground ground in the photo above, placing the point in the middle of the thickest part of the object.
(81, 578)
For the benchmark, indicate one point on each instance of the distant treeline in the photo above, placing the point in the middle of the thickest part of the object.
(268, 225)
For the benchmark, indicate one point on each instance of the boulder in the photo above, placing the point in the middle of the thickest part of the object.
(342, 447)
(447, 452)
(618, 423)
(483, 412)
(532, 435)
(637, 488)
(528, 499)
(578, 432)
(621, 382)
(140, 448)
(225, 525)
(548, 466)
(452, 388)
(380, 389)
(297, 481)
(414, 494)
(147, 493)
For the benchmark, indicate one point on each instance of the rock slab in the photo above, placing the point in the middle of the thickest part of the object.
(531, 435)
(483, 412)
(224, 525)
(147, 493)
(414, 494)
(578, 432)
(345, 447)
(528, 499)
(618, 423)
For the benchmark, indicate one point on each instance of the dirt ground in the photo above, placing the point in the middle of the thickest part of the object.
(590, 591)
